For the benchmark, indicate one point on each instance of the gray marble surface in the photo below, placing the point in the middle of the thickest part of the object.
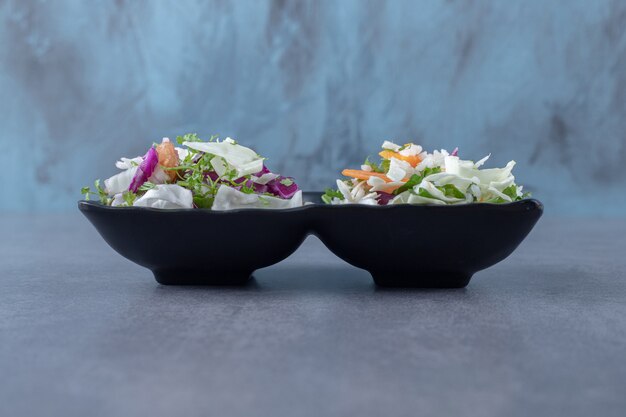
(83, 332)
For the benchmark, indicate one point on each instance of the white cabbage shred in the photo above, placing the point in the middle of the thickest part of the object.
(244, 160)
(227, 198)
(229, 160)
(442, 179)
(166, 196)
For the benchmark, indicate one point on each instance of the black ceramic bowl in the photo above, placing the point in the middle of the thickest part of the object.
(199, 247)
(407, 246)
(425, 246)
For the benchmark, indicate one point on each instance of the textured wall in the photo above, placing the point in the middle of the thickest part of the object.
(316, 86)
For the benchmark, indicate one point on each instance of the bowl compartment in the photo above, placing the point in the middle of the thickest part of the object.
(199, 247)
(425, 246)
(401, 246)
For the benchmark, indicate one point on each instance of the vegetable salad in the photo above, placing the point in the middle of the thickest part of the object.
(409, 175)
(213, 174)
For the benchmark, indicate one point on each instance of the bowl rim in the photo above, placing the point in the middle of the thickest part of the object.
(89, 205)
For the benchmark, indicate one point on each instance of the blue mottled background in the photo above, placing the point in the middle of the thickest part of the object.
(316, 86)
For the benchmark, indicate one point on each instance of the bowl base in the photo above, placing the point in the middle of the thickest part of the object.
(207, 278)
(426, 280)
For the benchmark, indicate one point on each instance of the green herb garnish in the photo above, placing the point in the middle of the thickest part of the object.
(329, 194)
(450, 190)
(129, 198)
(100, 192)
(416, 179)
(375, 168)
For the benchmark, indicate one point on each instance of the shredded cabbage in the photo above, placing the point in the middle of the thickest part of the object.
(409, 175)
(218, 175)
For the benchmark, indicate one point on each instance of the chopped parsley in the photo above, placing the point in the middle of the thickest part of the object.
(449, 190)
(329, 194)
(416, 179)
(129, 197)
(287, 182)
(99, 191)
(375, 167)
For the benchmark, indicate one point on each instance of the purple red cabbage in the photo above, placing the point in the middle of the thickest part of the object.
(145, 170)
(264, 170)
(212, 175)
(258, 188)
(282, 187)
(384, 198)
